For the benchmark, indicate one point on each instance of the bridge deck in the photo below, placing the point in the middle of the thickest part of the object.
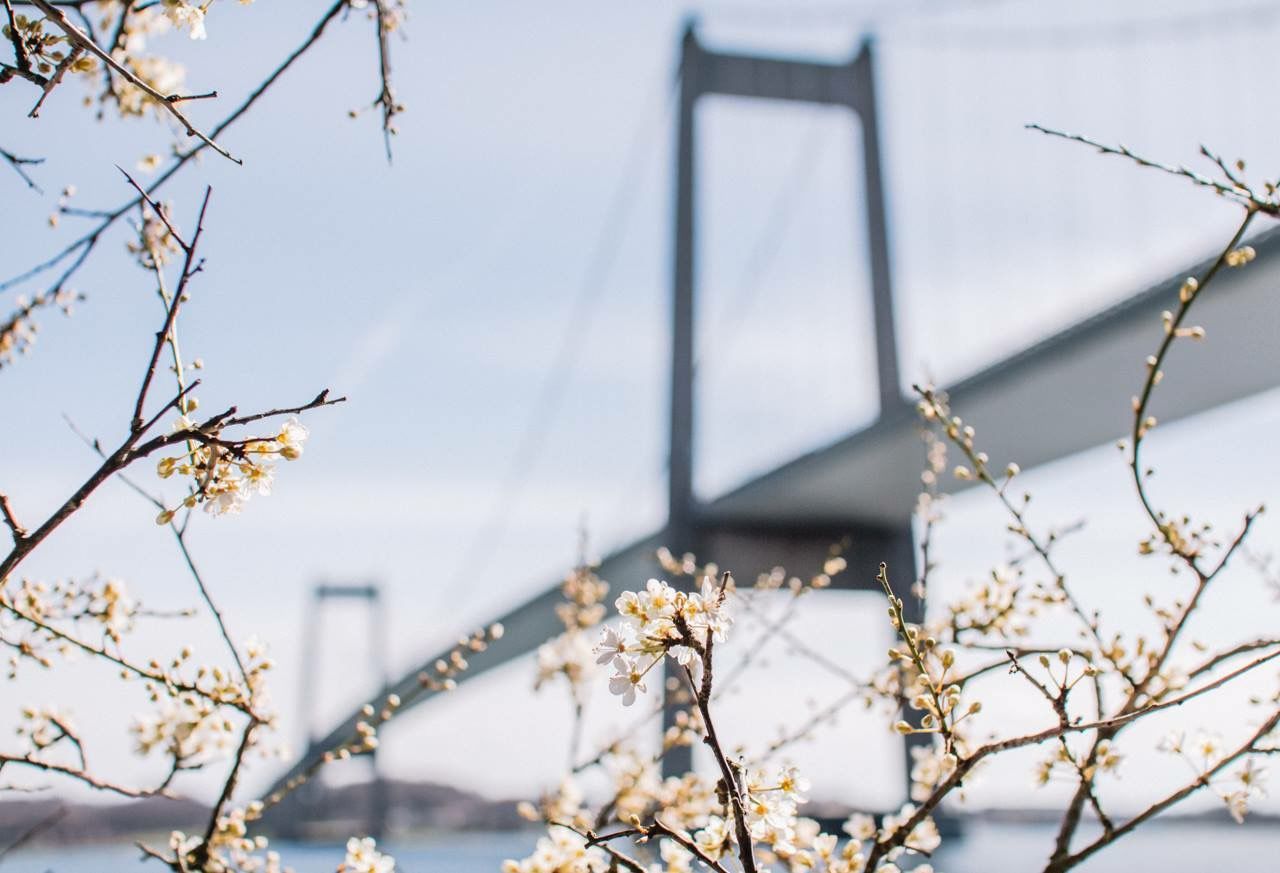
(1066, 394)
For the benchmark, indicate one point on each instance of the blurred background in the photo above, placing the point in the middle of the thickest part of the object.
(495, 304)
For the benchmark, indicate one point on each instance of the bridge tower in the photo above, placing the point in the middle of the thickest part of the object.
(307, 799)
(746, 545)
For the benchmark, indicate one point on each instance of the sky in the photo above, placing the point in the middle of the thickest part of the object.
(494, 304)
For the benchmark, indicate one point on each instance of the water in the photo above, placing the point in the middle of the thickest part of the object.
(1170, 847)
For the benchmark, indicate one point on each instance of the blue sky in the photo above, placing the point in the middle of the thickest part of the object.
(439, 292)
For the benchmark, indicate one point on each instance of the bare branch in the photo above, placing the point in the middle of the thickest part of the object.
(18, 164)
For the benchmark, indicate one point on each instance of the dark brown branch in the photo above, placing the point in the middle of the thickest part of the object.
(179, 534)
(1237, 542)
(602, 842)
(657, 828)
(321, 399)
(182, 98)
(84, 777)
(229, 786)
(1235, 651)
(1160, 806)
(189, 268)
(20, 56)
(702, 697)
(160, 212)
(966, 764)
(7, 72)
(689, 845)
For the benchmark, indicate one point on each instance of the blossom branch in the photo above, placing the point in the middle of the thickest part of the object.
(1160, 806)
(83, 42)
(84, 777)
(702, 698)
(79, 250)
(20, 56)
(966, 763)
(189, 268)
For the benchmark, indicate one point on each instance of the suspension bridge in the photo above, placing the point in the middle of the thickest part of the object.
(1062, 395)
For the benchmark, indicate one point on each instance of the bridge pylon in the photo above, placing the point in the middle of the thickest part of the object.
(306, 806)
(742, 545)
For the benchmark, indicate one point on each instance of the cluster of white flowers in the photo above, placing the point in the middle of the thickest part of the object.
(193, 723)
(1203, 754)
(997, 608)
(28, 608)
(798, 843)
(570, 654)
(45, 51)
(1249, 779)
(394, 12)
(223, 478)
(188, 727)
(154, 244)
(48, 48)
(924, 837)
(104, 603)
(657, 622)
(42, 726)
(186, 16)
(561, 851)
(363, 857)
(680, 818)
(930, 767)
(230, 848)
(18, 334)
(162, 74)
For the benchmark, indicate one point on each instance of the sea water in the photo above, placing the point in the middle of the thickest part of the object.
(1170, 847)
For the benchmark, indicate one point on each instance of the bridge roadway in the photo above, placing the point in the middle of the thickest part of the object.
(1065, 394)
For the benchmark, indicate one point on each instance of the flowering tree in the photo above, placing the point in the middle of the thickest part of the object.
(185, 461)
(745, 814)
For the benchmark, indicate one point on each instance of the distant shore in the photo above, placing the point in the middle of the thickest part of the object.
(331, 813)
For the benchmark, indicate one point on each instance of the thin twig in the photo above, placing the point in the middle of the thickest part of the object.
(18, 163)
(1238, 193)
(56, 79)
